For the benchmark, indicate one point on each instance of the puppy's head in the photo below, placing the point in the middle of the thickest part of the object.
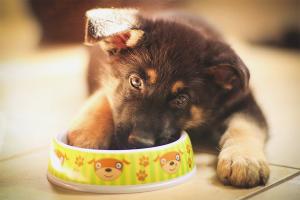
(162, 76)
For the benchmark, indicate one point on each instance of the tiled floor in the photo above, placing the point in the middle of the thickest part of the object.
(41, 92)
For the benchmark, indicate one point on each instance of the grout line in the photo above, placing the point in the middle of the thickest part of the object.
(278, 165)
(283, 180)
(208, 152)
(284, 166)
(25, 153)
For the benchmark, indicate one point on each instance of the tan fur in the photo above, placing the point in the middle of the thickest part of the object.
(109, 86)
(241, 160)
(109, 44)
(106, 44)
(197, 118)
(153, 76)
(177, 85)
(135, 36)
(228, 85)
(93, 127)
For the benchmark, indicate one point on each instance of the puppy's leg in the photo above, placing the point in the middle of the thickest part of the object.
(94, 126)
(242, 161)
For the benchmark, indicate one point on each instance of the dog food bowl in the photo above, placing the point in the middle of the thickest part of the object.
(120, 171)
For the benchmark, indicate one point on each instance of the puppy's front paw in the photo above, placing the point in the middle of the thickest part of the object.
(243, 166)
(83, 139)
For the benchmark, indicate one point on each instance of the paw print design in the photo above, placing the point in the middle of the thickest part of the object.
(79, 161)
(188, 149)
(190, 162)
(141, 175)
(144, 161)
(76, 173)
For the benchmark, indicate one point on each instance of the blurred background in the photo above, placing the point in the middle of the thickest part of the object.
(43, 64)
(43, 69)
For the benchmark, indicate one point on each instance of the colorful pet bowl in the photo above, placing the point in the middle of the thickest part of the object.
(120, 171)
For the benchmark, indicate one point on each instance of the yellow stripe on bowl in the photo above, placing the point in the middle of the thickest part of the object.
(132, 174)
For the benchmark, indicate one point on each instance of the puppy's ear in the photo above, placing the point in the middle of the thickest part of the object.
(114, 29)
(227, 69)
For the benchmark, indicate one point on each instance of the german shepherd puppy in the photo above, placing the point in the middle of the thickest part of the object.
(168, 73)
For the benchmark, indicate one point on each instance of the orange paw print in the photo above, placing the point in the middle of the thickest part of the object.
(79, 160)
(144, 161)
(188, 150)
(190, 162)
(141, 175)
(76, 173)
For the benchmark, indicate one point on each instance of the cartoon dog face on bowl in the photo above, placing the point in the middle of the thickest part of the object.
(108, 169)
(170, 162)
(60, 156)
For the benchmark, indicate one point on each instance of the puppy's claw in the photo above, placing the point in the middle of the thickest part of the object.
(242, 185)
(226, 182)
(263, 182)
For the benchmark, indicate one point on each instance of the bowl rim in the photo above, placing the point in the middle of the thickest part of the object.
(123, 189)
(62, 136)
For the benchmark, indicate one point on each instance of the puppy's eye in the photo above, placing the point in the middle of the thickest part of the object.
(98, 165)
(61, 159)
(163, 161)
(181, 100)
(118, 165)
(177, 157)
(136, 82)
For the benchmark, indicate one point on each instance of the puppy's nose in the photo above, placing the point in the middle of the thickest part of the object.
(108, 169)
(138, 142)
(171, 163)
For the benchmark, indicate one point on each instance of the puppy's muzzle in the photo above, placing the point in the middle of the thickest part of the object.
(137, 141)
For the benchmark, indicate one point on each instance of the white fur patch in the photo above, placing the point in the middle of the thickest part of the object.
(111, 21)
